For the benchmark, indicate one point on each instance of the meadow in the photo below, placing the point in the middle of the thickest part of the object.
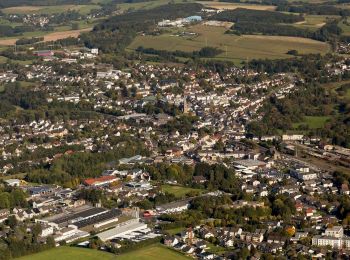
(235, 48)
(146, 5)
(232, 6)
(178, 191)
(314, 22)
(82, 9)
(65, 252)
(156, 251)
(313, 122)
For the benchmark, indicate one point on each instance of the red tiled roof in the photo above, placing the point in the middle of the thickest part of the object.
(92, 181)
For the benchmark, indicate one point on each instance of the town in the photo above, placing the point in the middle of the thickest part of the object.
(126, 158)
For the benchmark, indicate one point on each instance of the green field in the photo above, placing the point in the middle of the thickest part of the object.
(64, 252)
(345, 27)
(178, 191)
(82, 9)
(235, 48)
(145, 5)
(314, 22)
(175, 231)
(313, 122)
(157, 252)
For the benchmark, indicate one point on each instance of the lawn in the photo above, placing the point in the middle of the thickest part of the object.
(313, 122)
(175, 231)
(216, 249)
(153, 252)
(235, 48)
(64, 252)
(178, 191)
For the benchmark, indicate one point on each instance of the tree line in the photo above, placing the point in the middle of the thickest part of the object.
(256, 16)
(205, 52)
(328, 32)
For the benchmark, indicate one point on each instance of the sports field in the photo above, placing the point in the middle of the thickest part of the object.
(83, 9)
(235, 48)
(178, 191)
(64, 252)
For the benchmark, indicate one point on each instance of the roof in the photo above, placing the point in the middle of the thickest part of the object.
(250, 163)
(92, 181)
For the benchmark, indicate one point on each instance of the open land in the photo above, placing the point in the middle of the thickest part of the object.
(65, 252)
(178, 191)
(82, 9)
(153, 252)
(48, 37)
(232, 6)
(235, 48)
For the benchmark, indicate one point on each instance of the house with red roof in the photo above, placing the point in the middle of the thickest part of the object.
(100, 181)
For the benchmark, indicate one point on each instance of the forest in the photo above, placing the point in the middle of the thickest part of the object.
(315, 9)
(206, 52)
(271, 29)
(329, 32)
(256, 16)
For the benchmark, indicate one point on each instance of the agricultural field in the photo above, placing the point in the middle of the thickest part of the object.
(314, 22)
(313, 122)
(156, 252)
(145, 5)
(52, 36)
(65, 252)
(178, 191)
(235, 48)
(232, 6)
(345, 26)
(82, 9)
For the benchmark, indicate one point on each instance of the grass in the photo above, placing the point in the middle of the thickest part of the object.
(48, 36)
(64, 252)
(345, 27)
(232, 6)
(178, 191)
(175, 231)
(235, 48)
(314, 122)
(216, 249)
(145, 5)
(314, 22)
(82, 9)
(347, 95)
(156, 252)
(3, 59)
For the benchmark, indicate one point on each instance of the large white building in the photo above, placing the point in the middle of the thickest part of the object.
(333, 237)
